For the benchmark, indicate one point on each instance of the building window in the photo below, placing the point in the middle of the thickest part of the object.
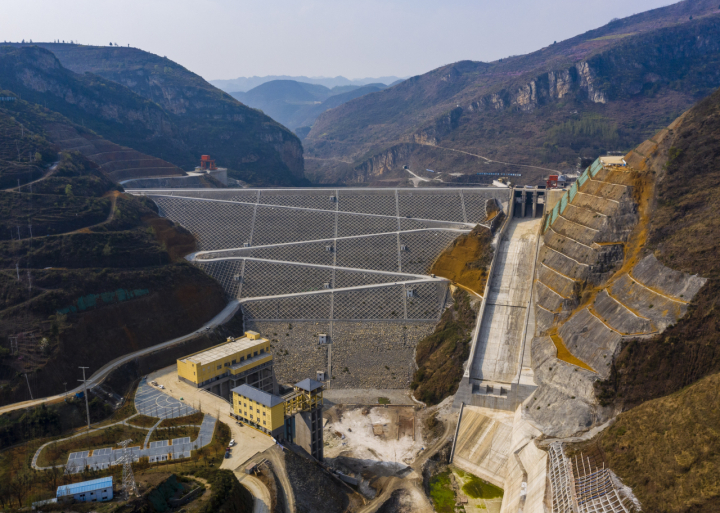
(219, 367)
(255, 353)
(262, 351)
(233, 362)
(263, 422)
(258, 410)
(263, 414)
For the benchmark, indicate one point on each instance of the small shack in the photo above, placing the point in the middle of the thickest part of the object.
(97, 490)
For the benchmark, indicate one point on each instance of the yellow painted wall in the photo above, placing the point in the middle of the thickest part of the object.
(255, 364)
(197, 373)
(269, 418)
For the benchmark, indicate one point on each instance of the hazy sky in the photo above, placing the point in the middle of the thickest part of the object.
(231, 38)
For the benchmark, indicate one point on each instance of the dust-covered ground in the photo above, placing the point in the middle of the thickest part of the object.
(379, 441)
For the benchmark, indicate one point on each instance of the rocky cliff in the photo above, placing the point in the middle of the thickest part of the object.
(607, 89)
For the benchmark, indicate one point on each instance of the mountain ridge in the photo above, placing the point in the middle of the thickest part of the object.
(529, 109)
(244, 84)
(183, 117)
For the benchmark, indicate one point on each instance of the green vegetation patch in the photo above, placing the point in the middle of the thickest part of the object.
(194, 419)
(440, 355)
(383, 400)
(143, 421)
(175, 432)
(441, 493)
(57, 453)
(477, 488)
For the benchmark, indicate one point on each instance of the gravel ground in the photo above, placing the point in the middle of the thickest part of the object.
(365, 396)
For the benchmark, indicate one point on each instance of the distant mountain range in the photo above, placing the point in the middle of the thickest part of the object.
(605, 90)
(243, 84)
(297, 104)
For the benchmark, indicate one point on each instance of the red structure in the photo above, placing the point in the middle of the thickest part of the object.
(207, 163)
(552, 182)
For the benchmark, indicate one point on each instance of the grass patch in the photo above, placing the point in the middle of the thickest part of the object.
(194, 419)
(478, 489)
(440, 356)
(441, 493)
(383, 400)
(175, 432)
(466, 262)
(57, 453)
(143, 421)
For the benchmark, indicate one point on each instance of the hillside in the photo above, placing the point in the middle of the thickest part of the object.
(87, 273)
(684, 234)
(155, 106)
(607, 89)
(667, 384)
(297, 104)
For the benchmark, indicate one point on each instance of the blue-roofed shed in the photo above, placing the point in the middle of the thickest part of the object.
(96, 490)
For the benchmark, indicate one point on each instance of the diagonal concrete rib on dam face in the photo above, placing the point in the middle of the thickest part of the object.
(497, 355)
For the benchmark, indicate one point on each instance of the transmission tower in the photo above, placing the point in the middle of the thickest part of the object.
(129, 487)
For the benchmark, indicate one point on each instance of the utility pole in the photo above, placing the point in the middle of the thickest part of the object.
(65, 385)
(87, 406)
(28, 384)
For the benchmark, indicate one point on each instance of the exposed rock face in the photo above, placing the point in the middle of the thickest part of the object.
(382, 163)
(646, 68)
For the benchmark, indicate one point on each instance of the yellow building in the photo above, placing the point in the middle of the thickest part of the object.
(238, 361)
(295, 417)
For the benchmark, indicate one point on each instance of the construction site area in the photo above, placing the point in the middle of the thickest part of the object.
(337, 295)
(340, 283)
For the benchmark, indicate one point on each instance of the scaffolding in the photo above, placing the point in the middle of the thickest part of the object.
(583, 487)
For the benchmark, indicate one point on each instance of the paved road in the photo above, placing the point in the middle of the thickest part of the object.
(416, 181)
(98, 376)
(496, 161)
(468, 228)
(249, 442)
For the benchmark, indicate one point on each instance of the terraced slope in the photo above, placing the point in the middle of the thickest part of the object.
(154, 106)
(595, 290)
(87, 274)
(118, 162)
(262, 150)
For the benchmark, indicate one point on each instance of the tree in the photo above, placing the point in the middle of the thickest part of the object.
(20, 485)
(4, 494)
(68, 191)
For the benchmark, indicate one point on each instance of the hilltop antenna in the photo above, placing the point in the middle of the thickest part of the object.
(129, 486)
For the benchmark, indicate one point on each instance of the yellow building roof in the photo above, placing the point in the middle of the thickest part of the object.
(222, 351)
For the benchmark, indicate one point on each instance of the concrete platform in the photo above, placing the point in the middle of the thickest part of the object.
(497, 356)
